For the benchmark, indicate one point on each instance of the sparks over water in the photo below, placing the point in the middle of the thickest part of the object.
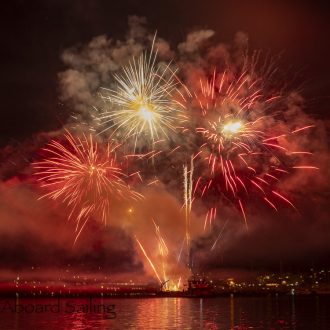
(230, 123)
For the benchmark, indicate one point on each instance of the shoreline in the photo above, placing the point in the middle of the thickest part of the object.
(100, 295)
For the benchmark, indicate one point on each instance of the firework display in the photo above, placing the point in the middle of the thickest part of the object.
(231, 129)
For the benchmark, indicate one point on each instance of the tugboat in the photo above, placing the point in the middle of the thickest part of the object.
(200, 287)
(197, 287)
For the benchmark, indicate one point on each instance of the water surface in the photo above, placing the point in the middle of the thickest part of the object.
(273, 312)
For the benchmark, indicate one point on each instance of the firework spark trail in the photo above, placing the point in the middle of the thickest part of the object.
(302, 128)
(162, 245)
(206, 219)
(153, 182)
(163, 251)
(179, 283)
(162, 248)
(210, 216)
(283, 198)
(84, 176)
(143, 102)
(221, 231)
(149, 260)
(181, 249)
(188, 187)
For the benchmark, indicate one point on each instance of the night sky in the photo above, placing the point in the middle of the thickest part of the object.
(35, 34)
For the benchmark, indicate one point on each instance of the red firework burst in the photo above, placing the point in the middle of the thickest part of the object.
(84, 175)
(236, 128)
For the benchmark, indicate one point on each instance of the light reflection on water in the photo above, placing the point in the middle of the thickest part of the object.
(282, 312)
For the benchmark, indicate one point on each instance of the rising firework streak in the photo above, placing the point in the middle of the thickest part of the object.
(188, 200)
